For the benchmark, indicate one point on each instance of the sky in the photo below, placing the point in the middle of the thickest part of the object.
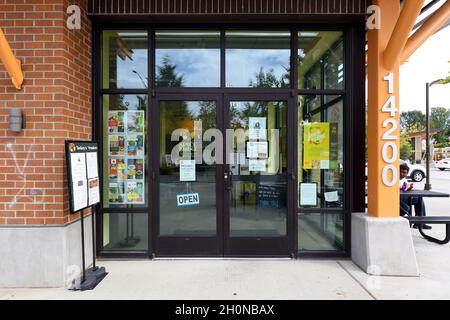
(428, 63)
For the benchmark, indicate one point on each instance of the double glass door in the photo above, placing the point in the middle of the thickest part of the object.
(223, 186)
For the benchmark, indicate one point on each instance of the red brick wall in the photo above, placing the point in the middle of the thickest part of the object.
(56, 99)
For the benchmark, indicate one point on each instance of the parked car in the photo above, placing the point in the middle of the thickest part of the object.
(416, 171)
(443, 164)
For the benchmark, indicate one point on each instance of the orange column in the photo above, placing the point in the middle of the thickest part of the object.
(12, 65)
(383, 190)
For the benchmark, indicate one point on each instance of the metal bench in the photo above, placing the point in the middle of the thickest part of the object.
(420, 221)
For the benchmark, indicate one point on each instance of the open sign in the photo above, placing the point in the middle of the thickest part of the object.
(189, 199)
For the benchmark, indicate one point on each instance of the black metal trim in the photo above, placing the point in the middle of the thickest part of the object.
(352, 94)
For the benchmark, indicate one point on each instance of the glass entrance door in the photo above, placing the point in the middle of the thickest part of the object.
(188, 211)
(256, 176)
(223, 186)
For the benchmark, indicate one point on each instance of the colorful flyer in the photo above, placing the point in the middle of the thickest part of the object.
(116, 145)
(135, 145)
(316, 144)
(116, 192)
(116, 169)
(135, 192)
(135, 169)
(135, 121)
(116, 120)
(93, 191)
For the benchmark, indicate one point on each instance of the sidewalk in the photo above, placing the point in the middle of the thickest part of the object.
(260, 279)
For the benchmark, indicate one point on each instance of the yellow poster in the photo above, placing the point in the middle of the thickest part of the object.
(316, 144)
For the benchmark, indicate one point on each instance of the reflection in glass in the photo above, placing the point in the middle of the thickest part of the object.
(320, 60)
(125, 150)
(125, 231)
(187, 58)
(195, 117)
(258, 205)
(259, 59)
(124, 59)
(321, 232)
(321, 147)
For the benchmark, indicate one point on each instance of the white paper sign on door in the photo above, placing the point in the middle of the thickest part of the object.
(257, 128)
(308, 194)
(187, 170)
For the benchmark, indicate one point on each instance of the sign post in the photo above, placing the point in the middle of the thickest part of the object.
(84, 192)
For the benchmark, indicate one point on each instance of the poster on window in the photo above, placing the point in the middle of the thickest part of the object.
(116, 121)
(116, 169)
(116, 192)
(135, 192)
(316, 142)
(257, 150)
(135, 145)
(135, 121)
(135, 169)
(257, 128)
(116, 145)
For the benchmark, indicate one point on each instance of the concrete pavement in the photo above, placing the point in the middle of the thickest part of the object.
(270, 279)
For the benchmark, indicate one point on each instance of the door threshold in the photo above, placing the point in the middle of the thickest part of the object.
(223, 259)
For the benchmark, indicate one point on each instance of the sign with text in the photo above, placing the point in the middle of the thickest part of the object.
(187, 170)
(82, 173)
(189, 199)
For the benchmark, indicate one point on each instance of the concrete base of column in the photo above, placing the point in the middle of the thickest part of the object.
(383, 246)
(44, 256)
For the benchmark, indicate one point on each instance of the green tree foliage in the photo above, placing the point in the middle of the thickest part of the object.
(412, 121)
(440, 121)
(405, 148)
(167, 75)
(269, 79)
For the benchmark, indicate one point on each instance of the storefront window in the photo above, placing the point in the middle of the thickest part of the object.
(193, 118)
(321, 232)
(124, 59)
(320, 60)
(187, 58)
(258, 200)
(125, 232)
(321, 151)
(258, 59)
(125, 150)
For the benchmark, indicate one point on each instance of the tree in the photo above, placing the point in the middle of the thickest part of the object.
(412, 121)
(440, 121)
(446, 80)
(269, 79)
(167, 76)
(405, 148)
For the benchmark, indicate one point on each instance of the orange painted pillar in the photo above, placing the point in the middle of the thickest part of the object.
(12, 65)
(383, 125)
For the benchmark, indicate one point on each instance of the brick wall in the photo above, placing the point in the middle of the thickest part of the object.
(56, 99)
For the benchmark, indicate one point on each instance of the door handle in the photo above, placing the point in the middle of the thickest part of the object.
(228, 177)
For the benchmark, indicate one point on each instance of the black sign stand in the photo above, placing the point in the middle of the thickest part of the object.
(93, 276)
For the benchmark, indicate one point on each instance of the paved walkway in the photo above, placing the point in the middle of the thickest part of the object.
(260, 279)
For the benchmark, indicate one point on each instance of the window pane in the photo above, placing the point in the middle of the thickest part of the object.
(321, 232)
(259, 59)
(125, 58)
(125, 231)
(194, 118)
(125, 151)
(321, 150)
(258, 199)
(187, 58)
(320, 60)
